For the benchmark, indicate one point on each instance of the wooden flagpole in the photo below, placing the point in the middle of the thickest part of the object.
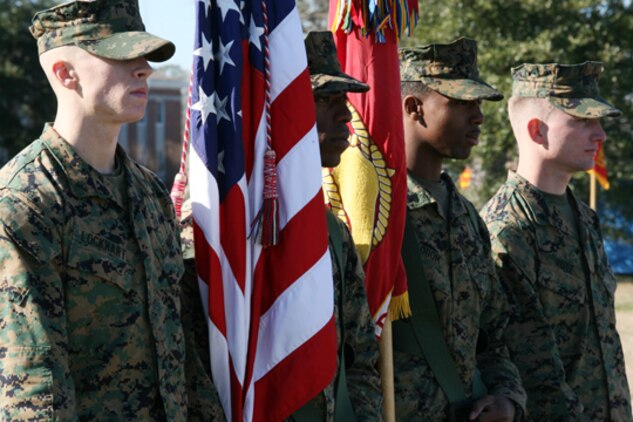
(592, 190)
(386, 372)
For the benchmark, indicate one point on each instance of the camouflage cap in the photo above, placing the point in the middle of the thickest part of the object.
(572, 88)
(112, 29)
(450, 69)
(325, 69)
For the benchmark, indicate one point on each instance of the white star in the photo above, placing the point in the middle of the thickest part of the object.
(220, 108)
(205, 105)
(207, 4)
(221, 162)
(226, 5)
(206, 51)
(223, 55)
(255, 32)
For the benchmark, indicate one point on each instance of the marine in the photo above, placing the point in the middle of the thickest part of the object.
(458, 367)
(90, 256)
(549, 251)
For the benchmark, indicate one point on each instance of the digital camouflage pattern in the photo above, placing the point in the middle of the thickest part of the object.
(107, 28)
(470, 302)
(325, 69)
(572, 88)
(361, 347)
(89, 295)
(561, 336)
(450, 69)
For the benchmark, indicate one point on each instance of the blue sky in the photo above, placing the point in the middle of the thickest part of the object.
(173, 20)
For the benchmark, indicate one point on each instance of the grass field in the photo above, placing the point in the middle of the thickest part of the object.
(624, 322)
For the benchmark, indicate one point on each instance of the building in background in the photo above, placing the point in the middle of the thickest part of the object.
(156, 140)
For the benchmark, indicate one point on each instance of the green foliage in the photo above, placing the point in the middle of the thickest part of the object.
(511, 32)
(26, 99)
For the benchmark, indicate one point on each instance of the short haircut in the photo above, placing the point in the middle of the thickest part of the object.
(519, 104)
(413, 88)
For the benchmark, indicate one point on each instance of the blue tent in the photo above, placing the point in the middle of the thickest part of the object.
(620, 256)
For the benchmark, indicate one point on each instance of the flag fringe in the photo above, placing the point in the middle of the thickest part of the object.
(399, 307)
(375, 16)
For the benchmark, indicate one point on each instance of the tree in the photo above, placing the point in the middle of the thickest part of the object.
(26, 99)
(511, 32)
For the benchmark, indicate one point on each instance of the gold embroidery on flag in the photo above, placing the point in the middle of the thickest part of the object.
(359, 189)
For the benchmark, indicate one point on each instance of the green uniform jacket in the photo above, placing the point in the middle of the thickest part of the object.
(88, 330)
(361, 347)
(561, 336)
(471, 306)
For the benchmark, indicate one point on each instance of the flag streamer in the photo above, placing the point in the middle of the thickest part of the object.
(375, 17)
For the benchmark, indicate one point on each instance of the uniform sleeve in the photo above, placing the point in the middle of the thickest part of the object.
(35, 382)
(493, 359)
(529, 337)
(361, 347)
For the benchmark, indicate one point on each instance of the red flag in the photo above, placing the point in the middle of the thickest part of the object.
(600, 168)
(368, 189)
(270, 309)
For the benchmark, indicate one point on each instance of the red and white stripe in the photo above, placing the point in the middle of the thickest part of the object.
(271, 327)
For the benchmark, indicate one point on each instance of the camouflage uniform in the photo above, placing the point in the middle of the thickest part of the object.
(89, 264)
(361, 349)
(455, 259)
(89, 311)
(470, 303)
(561, 335)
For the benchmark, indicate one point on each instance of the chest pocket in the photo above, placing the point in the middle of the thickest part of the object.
(94, 262)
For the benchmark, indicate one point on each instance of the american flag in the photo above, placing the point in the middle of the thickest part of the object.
(271, 328)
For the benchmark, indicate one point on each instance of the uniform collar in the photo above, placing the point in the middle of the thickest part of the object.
(84, 180)
(418, 196)
(539, 207)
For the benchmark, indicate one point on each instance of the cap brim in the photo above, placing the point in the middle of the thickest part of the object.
(463, 89)
(585, 108)
(130, 45)
(337, 83)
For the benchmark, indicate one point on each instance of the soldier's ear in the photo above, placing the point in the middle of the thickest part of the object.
(65, 74)
(412, 107)
(537, 129)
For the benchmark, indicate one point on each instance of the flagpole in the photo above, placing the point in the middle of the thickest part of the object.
(592, 190)
(386, 372)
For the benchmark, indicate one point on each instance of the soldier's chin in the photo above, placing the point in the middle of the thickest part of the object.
(461, 155)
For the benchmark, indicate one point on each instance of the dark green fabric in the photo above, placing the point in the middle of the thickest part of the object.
(343, 410)
(310, 412)
(421, 335)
